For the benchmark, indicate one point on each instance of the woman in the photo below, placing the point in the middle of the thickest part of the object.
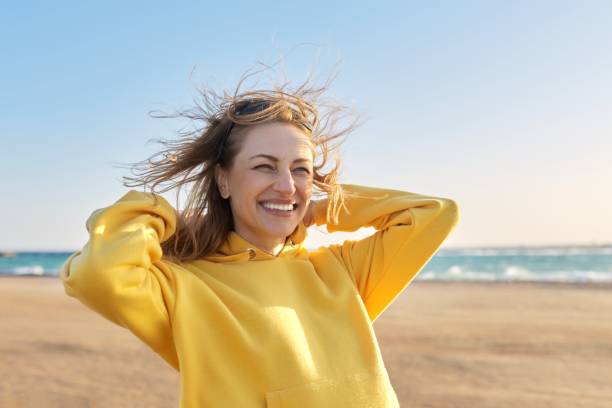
(226, 293)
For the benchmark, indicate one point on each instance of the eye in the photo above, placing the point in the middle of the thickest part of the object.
(264, 165)
(304, 169)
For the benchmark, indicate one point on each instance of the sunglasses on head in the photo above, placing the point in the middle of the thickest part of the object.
(255, 105)
(249, 107)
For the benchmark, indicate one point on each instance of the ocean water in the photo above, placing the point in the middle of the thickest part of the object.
(551, 264)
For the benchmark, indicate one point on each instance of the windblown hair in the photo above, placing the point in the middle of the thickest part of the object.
(204, 224)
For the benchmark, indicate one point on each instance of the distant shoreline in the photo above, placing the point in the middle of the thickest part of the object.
(521, 246)
(441, 282)
(540, 246)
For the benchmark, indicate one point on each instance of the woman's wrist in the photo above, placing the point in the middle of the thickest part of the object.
(316, 213)
(319, 212)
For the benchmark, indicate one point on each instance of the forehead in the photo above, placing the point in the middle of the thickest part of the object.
(282, 140)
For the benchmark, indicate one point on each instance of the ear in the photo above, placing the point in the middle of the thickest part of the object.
(221, 179)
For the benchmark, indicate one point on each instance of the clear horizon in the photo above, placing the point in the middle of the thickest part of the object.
(444, 247)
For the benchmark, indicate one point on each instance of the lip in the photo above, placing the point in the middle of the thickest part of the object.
(285, 202)
(278, 202)
(277, 213)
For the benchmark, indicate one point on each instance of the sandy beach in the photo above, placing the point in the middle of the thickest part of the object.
(444, 345)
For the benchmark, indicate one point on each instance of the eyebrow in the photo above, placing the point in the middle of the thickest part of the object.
(274, 159)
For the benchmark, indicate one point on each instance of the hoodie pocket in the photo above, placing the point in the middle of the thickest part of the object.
(367, 390)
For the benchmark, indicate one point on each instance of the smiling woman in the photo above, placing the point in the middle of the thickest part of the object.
(270, 125)
(270, 184)
(225, 291)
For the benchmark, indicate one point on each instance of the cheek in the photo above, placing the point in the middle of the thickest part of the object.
(249, 185)
(307, 189)
(305, 196)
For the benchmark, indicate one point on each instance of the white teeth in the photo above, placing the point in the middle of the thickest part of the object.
(283, 207)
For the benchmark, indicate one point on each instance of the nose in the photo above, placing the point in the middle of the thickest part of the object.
(284, 183)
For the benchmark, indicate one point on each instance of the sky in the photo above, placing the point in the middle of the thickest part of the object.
(502, 106)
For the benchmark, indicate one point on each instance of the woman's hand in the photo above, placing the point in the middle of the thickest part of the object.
(308, 219)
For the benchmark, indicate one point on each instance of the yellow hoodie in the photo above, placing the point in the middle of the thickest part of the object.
(249, 329)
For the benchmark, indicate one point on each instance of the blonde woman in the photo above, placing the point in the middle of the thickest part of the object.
(225, 291)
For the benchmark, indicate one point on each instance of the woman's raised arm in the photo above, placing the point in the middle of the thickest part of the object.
(410, 229)
(119, 272)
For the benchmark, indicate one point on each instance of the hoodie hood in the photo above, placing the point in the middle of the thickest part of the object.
(237, 249)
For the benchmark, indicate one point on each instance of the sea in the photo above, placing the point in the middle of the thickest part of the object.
(570, 264)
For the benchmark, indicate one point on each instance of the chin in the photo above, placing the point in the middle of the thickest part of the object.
(281, 233)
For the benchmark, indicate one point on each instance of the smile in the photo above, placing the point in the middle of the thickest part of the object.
(278, 209)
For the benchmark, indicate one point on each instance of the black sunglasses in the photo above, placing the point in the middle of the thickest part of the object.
(248, 107)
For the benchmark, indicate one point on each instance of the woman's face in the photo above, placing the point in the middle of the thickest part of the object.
(272, 169)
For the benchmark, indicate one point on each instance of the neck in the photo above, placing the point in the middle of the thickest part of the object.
(272, 246)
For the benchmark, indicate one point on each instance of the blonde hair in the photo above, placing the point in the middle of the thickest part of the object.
(204, 224)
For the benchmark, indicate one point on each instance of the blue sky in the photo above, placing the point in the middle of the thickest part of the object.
(502, 106)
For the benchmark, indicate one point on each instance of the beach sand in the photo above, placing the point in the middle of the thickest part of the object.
(444, 345)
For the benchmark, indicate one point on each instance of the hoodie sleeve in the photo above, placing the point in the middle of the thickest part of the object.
(119, 273)
(410, 229)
